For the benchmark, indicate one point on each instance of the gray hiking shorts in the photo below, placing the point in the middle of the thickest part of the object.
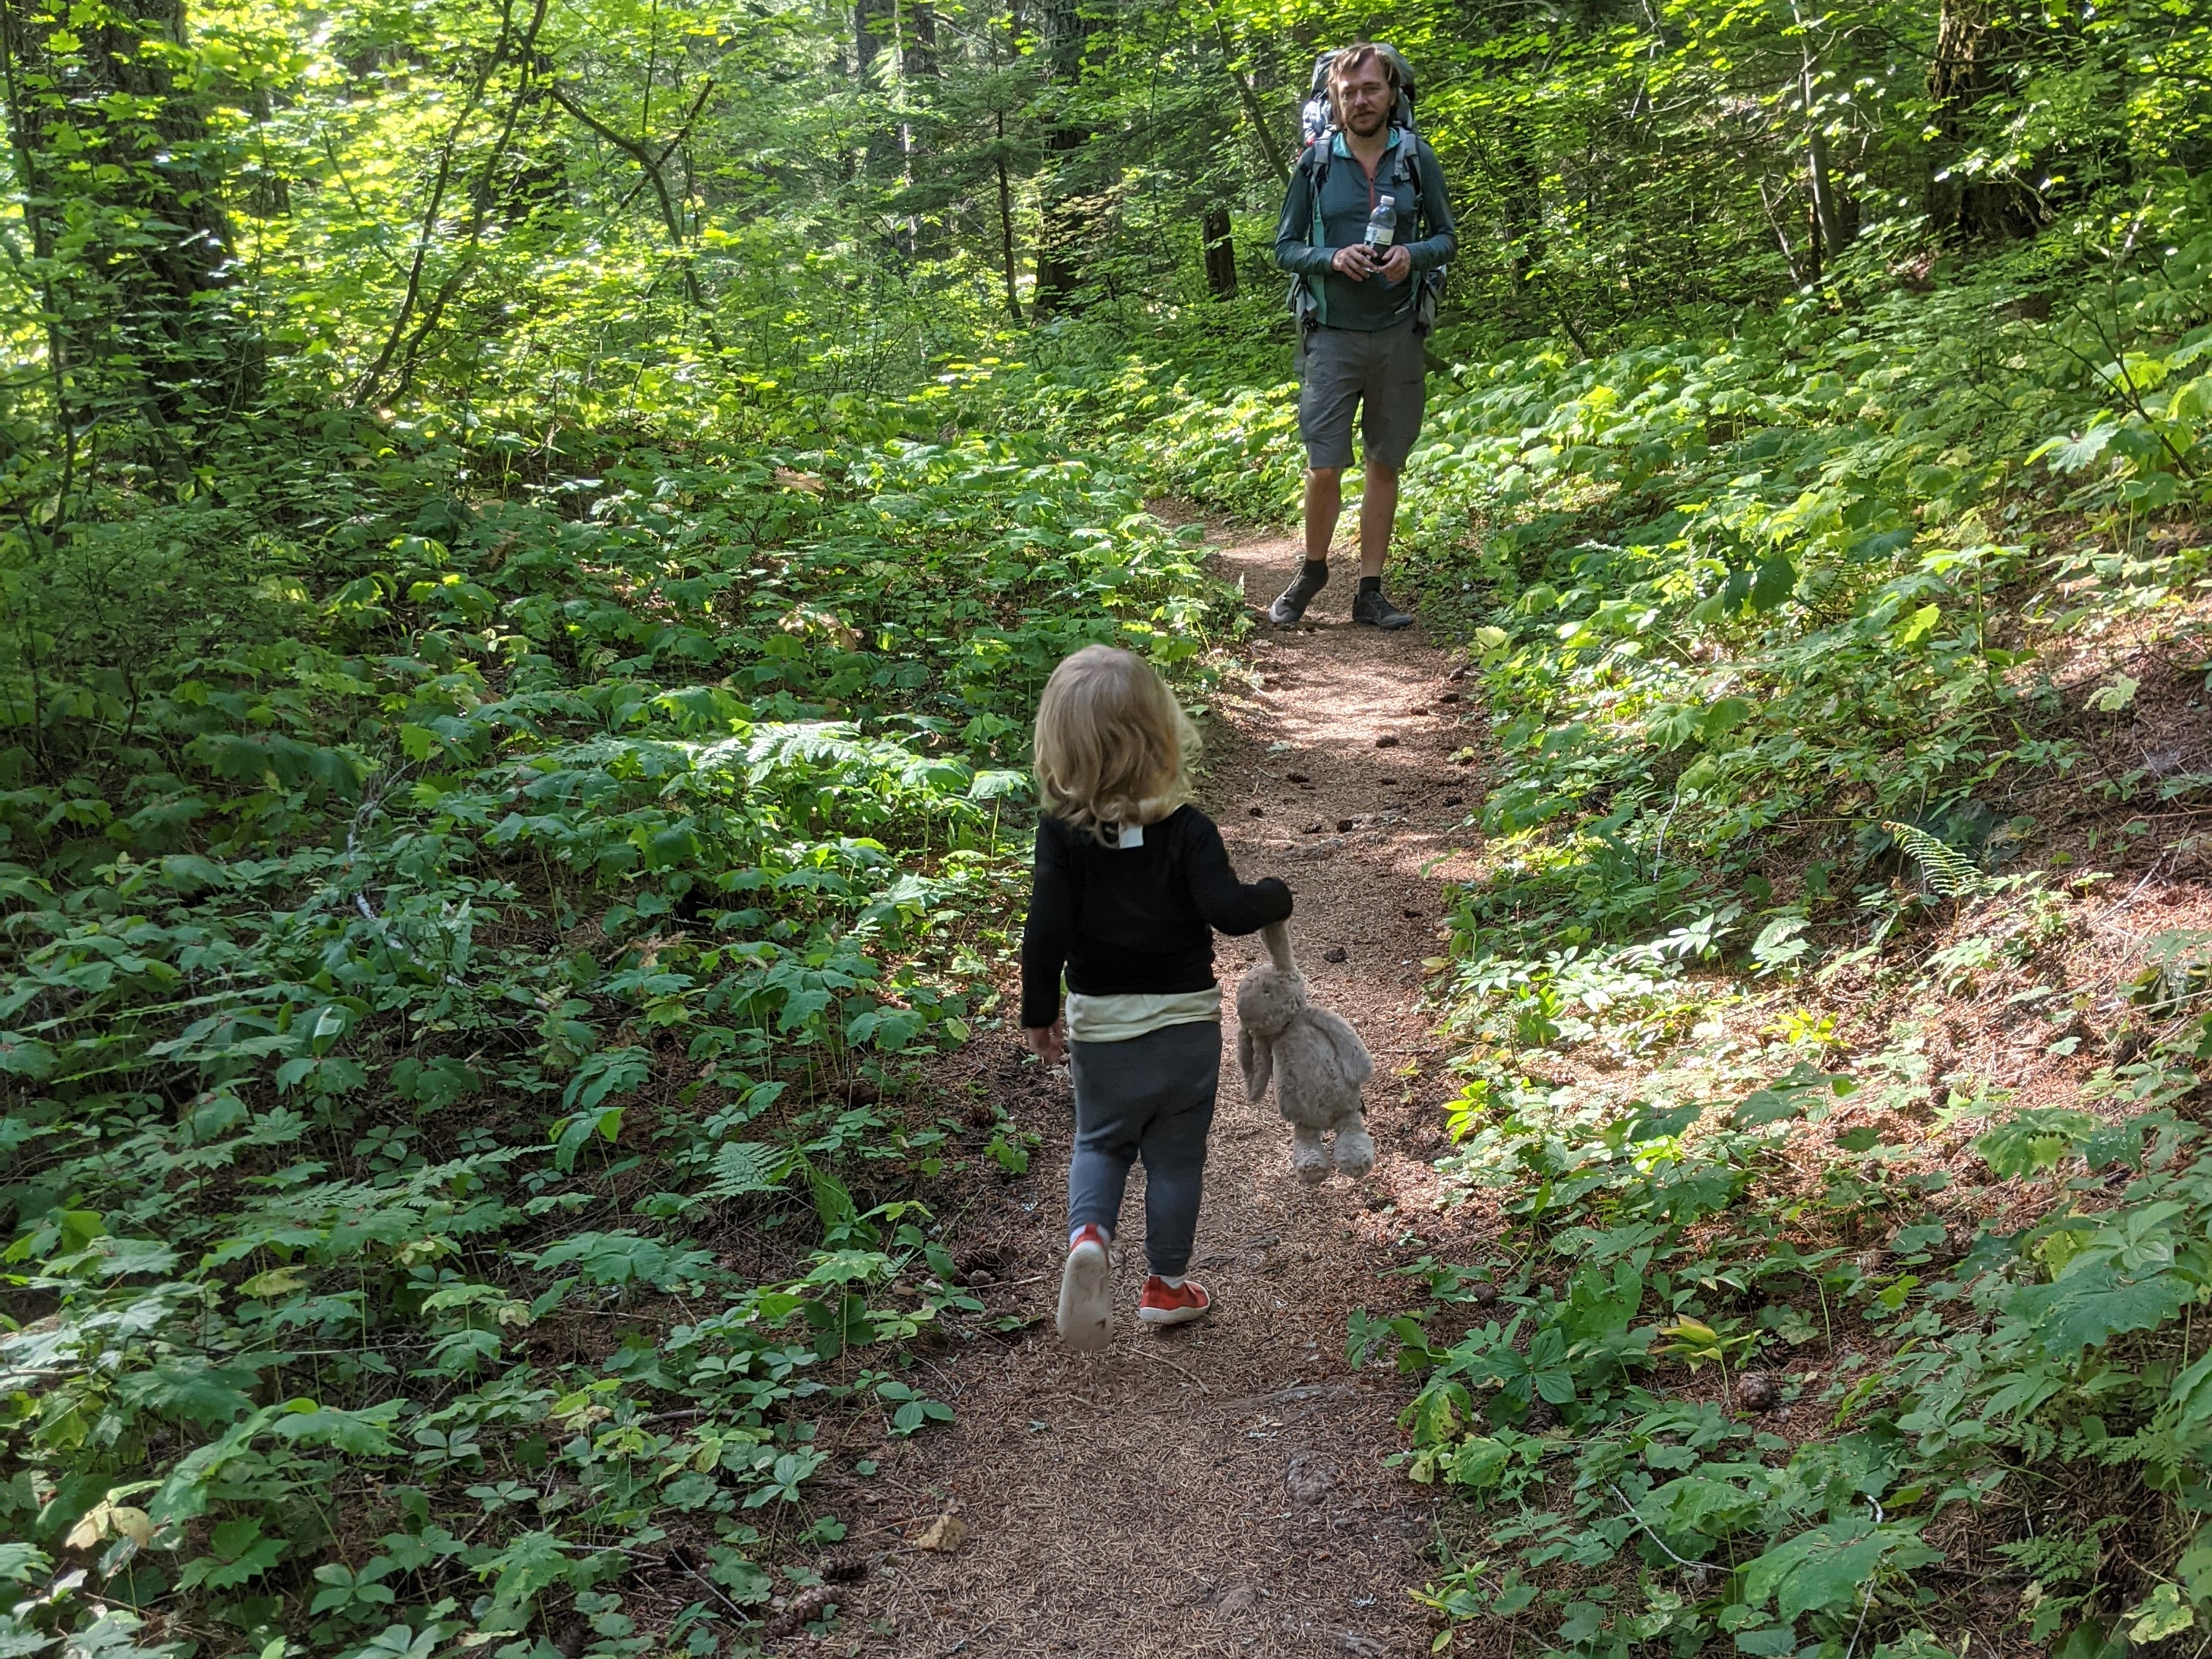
(1379, 372)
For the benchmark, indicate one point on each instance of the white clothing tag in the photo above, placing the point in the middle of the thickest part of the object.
(1130, 834)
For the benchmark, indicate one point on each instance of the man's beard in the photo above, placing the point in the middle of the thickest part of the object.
(1367, 125)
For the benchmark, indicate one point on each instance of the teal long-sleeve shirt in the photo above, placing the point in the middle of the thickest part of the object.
(1348, 197)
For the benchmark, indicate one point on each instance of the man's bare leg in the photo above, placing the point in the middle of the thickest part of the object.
(1324, 506)
(1378, 511)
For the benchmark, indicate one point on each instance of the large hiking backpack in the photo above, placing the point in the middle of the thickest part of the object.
(1319, 116)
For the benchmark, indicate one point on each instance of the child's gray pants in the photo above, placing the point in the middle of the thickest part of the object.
(1151, 1096)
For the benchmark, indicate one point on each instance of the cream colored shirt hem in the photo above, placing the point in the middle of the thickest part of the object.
(1138, 1013)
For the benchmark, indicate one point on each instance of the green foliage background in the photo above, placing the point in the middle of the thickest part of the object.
(529, 537)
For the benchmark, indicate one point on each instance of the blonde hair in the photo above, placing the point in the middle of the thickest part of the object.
(1113, 745)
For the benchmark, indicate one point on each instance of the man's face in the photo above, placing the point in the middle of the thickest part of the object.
(1364, 101)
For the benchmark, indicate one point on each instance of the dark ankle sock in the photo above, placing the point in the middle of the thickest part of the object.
(1316, 570)
(1370, 583)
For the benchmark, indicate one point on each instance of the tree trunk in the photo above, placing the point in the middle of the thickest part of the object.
(30, 178)
(1828, 206)
(1065, 215)
(1969, 47)
(1272, 151)
(1834, 232)
(269, 194)
(142, 293)
(652, 162)
(918, 68)
(1799, 272)
(1220, 254)
(1006, 225)
(1523, 204)
(875, 27)
(918, 40)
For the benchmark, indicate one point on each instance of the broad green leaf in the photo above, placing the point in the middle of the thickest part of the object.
(2086, 1307)
(2163, 1614)
(1825, 1569)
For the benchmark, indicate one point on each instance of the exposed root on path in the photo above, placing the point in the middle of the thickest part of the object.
(1219, 1489)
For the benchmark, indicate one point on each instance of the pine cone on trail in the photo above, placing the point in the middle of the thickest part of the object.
(805, 1607)
(1755, 1392)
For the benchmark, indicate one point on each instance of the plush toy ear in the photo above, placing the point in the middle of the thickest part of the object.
(1255, 1057)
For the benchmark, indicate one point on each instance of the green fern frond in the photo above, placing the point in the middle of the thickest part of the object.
(747, 1166)
(1949, 871)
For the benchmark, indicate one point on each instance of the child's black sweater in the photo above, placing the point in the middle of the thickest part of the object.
(1134, 919)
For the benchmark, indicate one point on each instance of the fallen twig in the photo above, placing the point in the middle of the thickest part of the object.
(1293, 1422)
(715, 1590)
(2156, 865)
(894, 1525)
(1180, 1371)
(1629, 1509)
(1300, 1391)
(1866, 1602)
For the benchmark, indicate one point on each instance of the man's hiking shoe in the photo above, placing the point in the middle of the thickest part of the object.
(1086, 1309)
(1290, 603)
(1166, 1304)
(1372, 609)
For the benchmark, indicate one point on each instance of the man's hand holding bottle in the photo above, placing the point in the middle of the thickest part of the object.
(1359, 263)
(1381, 254)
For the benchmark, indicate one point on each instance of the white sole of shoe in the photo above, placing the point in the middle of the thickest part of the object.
(1173, 1316)
(1086, 1304)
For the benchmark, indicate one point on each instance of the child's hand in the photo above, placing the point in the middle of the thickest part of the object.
(1049, 1042)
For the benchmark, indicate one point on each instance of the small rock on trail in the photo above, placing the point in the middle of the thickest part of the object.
(1309, 1479)
(945, 1534)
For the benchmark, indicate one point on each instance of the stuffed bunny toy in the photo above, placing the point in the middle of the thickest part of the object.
(1314, 1057)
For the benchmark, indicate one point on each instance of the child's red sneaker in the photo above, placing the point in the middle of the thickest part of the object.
(1085, 1307)
(1164, 1303)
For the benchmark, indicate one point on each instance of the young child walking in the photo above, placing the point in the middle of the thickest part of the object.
(1132, 880)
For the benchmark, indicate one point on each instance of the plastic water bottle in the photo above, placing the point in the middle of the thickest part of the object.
(1383, 227)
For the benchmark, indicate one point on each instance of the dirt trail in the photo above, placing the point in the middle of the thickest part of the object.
(1219, 1489)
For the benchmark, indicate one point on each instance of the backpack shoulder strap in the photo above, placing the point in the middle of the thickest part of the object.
(1310, 297)
(1314, 162)
(1313, 167)
(1410, 145)
(1409, 151)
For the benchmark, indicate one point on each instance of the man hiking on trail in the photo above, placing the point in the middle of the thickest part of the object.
(1365, 230)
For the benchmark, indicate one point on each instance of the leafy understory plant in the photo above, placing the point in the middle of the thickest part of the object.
(468, 1120)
